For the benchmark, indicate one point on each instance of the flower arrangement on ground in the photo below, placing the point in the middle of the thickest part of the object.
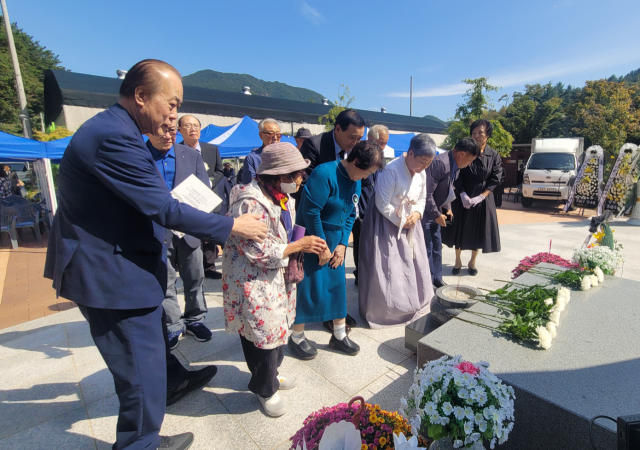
(463, 401)
(530, 262)
(599, 256)
(376, 426)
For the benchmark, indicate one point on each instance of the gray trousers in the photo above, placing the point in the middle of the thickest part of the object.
(188, 262)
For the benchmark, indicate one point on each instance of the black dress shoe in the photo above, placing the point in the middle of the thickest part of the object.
(346, 346)
(304, 350)
(329, 326)
(473, 272)
(456, 270)
(195, 380)
(351, 321)
(177, 442)
(439, 283)
(213, 274)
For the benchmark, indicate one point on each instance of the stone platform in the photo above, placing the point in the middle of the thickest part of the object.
(592, 367)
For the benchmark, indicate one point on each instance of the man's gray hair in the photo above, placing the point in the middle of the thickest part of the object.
(263, 122)
(423, 145)
(374, 132)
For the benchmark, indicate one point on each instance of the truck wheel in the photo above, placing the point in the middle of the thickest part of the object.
(527, 202)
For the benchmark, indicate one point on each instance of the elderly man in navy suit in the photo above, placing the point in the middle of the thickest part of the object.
(106, 249)
(441, 174)
(176, 162)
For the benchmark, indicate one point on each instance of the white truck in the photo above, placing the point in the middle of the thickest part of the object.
(551, 169)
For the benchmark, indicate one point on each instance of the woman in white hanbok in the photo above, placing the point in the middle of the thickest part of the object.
(394, 285)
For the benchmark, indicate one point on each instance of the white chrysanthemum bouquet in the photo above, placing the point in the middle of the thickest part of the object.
(460, 400)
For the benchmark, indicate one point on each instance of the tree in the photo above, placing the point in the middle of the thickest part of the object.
(530, 115)
(606, 113)
(34, 60)
(477, 105)
(344, 101)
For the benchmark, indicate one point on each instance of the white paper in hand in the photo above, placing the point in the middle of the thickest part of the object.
(195, 193)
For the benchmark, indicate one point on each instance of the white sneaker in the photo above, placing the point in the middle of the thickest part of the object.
(287, 382)
(274, 406)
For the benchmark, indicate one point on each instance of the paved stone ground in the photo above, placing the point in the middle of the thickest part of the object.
(57, 393)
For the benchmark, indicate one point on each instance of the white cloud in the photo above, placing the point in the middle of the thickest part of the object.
(311, 14)
(542, 74)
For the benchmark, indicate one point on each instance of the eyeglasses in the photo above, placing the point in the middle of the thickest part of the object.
(272, 134)
(191, 126)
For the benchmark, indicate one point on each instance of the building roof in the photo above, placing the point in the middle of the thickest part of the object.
(78, 89)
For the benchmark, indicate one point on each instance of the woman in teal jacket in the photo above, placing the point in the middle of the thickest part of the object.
(327, 210)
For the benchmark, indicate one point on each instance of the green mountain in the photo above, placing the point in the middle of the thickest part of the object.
(235, 81)
(442, 122)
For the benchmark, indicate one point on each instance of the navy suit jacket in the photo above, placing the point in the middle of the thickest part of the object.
(189, 161)
(438, 185)
(106, 246)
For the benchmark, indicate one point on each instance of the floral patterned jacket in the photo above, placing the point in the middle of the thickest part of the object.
(258, 303)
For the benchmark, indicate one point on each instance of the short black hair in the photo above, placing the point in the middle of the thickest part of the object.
(467, 145)
(188, 115)
(368, 153)
(488, 126)
(349, 117)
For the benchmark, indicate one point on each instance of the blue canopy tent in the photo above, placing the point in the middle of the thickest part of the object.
(210, 132)
(21, 149)
(239, 139)
(55, 149)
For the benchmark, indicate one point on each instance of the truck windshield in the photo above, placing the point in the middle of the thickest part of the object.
(552, 161)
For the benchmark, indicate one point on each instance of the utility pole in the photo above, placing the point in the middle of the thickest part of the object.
(22, 98)
(410, 96)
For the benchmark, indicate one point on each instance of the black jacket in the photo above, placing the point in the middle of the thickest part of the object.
(319, 149)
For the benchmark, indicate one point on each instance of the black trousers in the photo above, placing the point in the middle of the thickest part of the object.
(133, 344)
(263, 365)
(210, 254)
(357, 227)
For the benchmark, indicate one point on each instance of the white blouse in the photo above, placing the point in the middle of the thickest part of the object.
(395, 186)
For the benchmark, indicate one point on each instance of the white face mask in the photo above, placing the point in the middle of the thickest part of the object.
(288, 188)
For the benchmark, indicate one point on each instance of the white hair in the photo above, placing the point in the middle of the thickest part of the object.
(423, 144)
(263, 122)
(374, 132)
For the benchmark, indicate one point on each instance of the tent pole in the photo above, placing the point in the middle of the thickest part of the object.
(45, 182)
(22, 98)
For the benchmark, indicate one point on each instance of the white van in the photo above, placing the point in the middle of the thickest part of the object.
(551, 169)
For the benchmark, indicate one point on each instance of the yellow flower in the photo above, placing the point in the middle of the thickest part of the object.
(363, 447)
(382, 440)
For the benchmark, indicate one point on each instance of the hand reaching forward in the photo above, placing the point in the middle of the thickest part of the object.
(337, 259)
(249, 226)
(312, 244)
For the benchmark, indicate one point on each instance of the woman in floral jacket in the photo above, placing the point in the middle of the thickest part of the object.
(259, 303)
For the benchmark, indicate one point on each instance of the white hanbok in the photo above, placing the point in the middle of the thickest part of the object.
(395, 283)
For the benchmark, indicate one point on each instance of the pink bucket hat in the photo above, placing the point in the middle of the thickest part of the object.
(281, 158)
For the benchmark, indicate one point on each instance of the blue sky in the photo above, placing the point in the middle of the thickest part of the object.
(373, 47)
